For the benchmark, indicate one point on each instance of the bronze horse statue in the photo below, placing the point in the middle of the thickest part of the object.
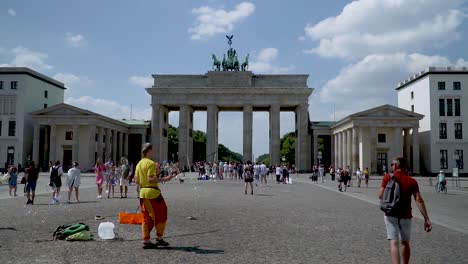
(216, 63)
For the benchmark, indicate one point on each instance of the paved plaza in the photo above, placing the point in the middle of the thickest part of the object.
(301, 222)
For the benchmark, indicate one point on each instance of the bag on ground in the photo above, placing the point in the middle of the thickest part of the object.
(84, 235)
(63, 231)
(391, 197)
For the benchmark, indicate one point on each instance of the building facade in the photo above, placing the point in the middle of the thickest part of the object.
(66, 133)
(22, 91)
(440, 94)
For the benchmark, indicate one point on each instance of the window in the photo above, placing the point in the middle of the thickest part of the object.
(45, 105)
(457, 107)
(96, 137)
(441, 85)
(443, 130)
(69, 135)
(449, 107)
(14, 85)
(1, 84)
(456, 85)
(441, 107)
(381, 138)
(443, 159)
(459, 158)
(458, 131)
(11, 128)
(412, 108)
(412, 95)
(46, 93)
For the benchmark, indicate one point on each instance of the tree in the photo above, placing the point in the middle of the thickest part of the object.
(199, 146)
(288, 147)
(226, 154)
(264, 158)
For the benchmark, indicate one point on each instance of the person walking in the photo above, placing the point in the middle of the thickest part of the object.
(56, 173)
(285, 174)
(12, 180)
(153, 206)
(278, 171)
(256, 169)
(398, 224)
(358, 177)
(32, 174)
(366, 177)
(73, 181)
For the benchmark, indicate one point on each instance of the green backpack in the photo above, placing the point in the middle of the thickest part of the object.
(63, 231)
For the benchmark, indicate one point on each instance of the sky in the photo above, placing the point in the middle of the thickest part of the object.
(355, 52)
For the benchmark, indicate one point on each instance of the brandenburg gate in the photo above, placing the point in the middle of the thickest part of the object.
(230, 89)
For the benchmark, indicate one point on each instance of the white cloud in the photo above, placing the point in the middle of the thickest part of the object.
(371, 82)
(75, 40)
(386, 26)
(211, 21)
(11, 12)
(143, 81)
(110, 108)
(71, 80)
(24, 57)
(263, 62)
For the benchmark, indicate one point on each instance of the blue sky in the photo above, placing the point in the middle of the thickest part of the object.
(354, 51)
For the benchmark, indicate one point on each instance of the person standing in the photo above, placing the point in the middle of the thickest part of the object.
(153, 206)
(278, 173)
(99, 170)
(248, 176)
(263, 173)
(398, 224)
(285, 174)
(358, 177)
(31, 182)
(125, 171)
(256, 169)
(56, 173)
(332, 172)
(73, 181)
(13, 180)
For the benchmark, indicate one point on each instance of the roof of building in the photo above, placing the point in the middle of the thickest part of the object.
(135, 122)
(322, 123)
(431, 70)
(32, 73)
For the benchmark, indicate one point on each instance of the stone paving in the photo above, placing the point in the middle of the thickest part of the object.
(301, 222)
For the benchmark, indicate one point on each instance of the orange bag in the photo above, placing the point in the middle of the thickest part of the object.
(130, 218)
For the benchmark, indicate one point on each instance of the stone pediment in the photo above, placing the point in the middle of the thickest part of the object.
(63, 110)
(386, 111)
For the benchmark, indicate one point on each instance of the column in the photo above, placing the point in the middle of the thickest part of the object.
(415, 137)
(355, 148)
(211, 133)
(190, 139)
(100, 144)
(349, 148)
(275, 134)
(159, 125)
(120, 152)
(46, 147)
(303, 138)
(398, 147)
(373, 149)
(36, 136)
(184, 120)
(108, 144)
(345, 149)
(91, 146)
(339, 163)
(126, 145)
(76, 143)
(247, 139)
(335, 150)
(114, 145)
(332, 149)
(406, 145)
(53, 141)
(315, 155)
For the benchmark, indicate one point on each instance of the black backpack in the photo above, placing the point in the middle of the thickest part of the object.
(54, 174)
(391, 197)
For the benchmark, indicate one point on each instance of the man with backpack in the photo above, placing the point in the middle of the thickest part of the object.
(395, 195)
(56, 181)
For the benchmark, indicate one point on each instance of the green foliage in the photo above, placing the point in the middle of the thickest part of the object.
(264, 158)
(288, 148)
(321, 144)
(226, 154)
(199, 147)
